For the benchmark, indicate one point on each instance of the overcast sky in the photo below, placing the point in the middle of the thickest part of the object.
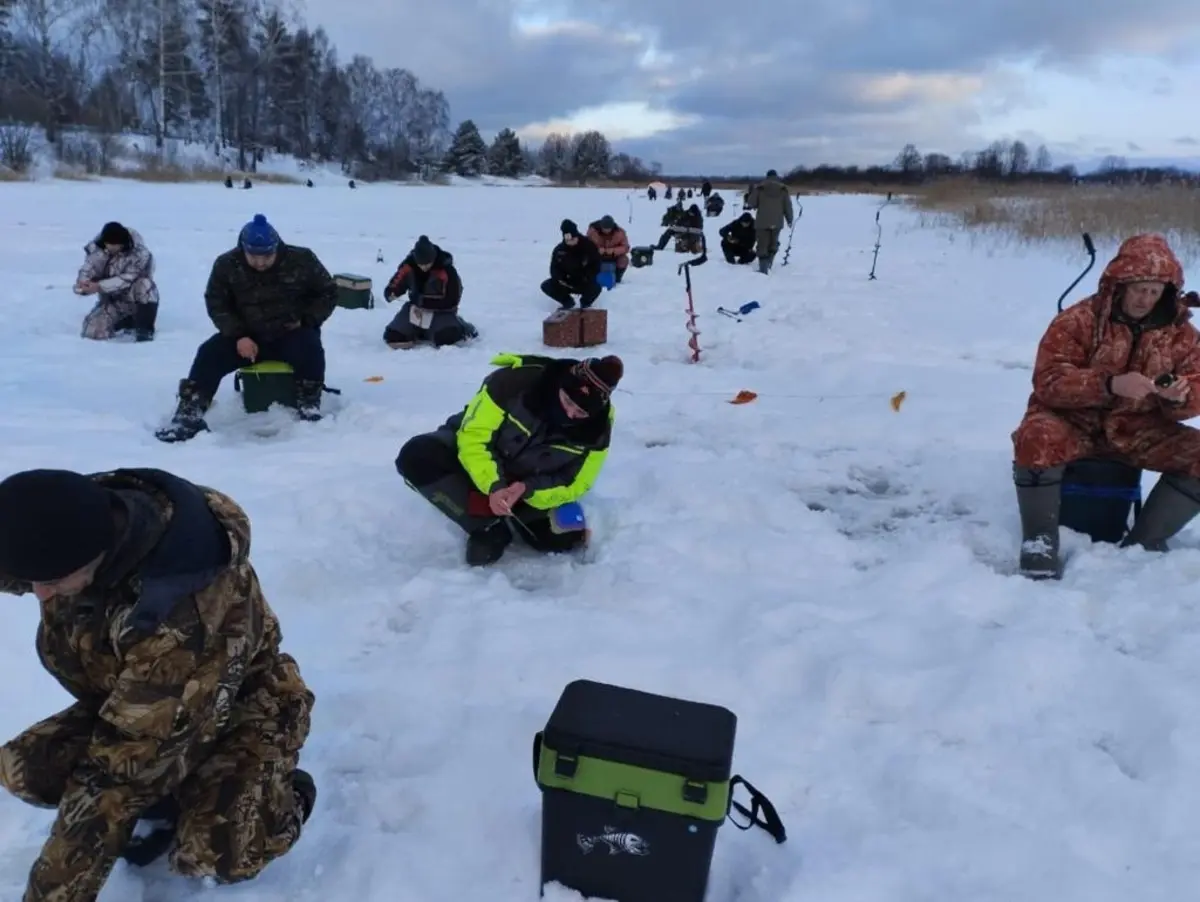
(718, 87)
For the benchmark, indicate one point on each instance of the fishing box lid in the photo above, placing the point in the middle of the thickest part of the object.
(349, 280)
(670, 735)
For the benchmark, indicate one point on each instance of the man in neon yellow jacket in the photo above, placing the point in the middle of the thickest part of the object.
(529, 445)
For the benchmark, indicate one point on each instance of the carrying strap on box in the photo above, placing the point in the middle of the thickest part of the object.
(761, 812)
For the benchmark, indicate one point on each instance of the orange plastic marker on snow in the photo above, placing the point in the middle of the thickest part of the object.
(744, 397)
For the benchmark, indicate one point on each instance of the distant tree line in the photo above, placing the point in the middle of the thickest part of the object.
(247, 77)
(1001, 161)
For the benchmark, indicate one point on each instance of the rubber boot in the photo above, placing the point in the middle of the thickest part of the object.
(188, 421)
(304, 788)
(144, 318)
(308, 400)
(1169, 507)
(1039, 497)
(486, 546)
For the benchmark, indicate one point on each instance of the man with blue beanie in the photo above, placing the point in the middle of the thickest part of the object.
(268, 301)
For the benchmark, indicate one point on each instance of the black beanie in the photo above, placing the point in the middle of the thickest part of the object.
(424, 252)
(568, 227)
(115, 233)
(52, 523)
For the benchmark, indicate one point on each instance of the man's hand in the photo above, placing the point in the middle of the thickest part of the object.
(248, 350)
(1175, 393)
(502, 500)
(86, 286)
(1133, 386)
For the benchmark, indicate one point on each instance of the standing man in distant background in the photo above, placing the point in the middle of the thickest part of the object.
(772, 205)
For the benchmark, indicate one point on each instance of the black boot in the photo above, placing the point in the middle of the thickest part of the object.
(1039, 497)
(188, 421)
(486, 546)
(305, 790)
(308, 400)
(1169, 507)
(144, 318)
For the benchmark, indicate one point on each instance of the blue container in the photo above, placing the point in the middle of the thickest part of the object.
(607, 277)
(568, 518)
(1098, 497)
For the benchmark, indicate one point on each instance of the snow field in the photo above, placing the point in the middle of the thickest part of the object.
(930, 727)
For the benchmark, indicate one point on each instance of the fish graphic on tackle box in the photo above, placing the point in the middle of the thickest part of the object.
(634, 787)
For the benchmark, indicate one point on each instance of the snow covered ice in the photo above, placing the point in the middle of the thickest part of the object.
(931, 727)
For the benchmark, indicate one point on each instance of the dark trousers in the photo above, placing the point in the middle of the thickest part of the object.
(429, 465)
(218, 357)
(737, 254)
(555, 289)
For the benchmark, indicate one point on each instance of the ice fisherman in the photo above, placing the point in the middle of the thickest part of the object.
(186, 716)
(772, 205)
(1116, 375)
(612, 242)
(574, 264)
(268, 301)
(118, 270)
(737, 240)
(532, 441)
(434, 290)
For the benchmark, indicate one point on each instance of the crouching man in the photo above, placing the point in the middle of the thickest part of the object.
(187, 715)
(529, 444)
(119, 271)
(1115, 376)
(434, 288)
(613, 244)
(268, 301)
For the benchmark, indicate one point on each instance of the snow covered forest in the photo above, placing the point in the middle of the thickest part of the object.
(250, 76)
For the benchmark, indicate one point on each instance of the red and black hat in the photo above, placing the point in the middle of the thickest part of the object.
(590, 383)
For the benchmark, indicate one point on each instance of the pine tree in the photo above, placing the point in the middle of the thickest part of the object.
(468, 154)
(505, 157)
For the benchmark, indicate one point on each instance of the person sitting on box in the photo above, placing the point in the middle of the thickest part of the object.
(714, 206)
(1116, 375)
(268, 301)
(687, 230)
(119, 271)
(434, 289)
(613, 243)
(574, 264)
(521, 455)
(737, 240)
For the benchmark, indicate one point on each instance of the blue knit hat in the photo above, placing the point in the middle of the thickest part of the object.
(259, 237)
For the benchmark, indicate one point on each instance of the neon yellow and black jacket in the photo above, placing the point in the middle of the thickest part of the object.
(509, 432)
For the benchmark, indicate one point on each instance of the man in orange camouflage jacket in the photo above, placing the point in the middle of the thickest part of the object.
(1115, 376)
(612, 242)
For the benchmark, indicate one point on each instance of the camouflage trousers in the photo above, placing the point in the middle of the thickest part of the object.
(238, 810)
(113, 313)
(1151, 443)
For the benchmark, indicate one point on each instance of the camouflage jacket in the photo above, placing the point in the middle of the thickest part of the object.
(116, 273)
(245, 303)
(172, 646)
(772, 204)
(1090, 342)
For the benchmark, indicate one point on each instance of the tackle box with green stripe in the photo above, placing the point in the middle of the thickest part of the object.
(634, 787)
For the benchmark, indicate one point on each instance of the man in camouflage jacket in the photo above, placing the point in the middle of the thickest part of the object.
(773, 206)
(118, 270)
(152, 618)
(1116, 376)
(268, 301)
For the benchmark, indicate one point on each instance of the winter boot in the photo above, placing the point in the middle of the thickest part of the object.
(486, 546)
(308, 400)
(144, 318)
(188, 421)
(1169, 507)
(305, 790)
(1039, 497)
(764, 265)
